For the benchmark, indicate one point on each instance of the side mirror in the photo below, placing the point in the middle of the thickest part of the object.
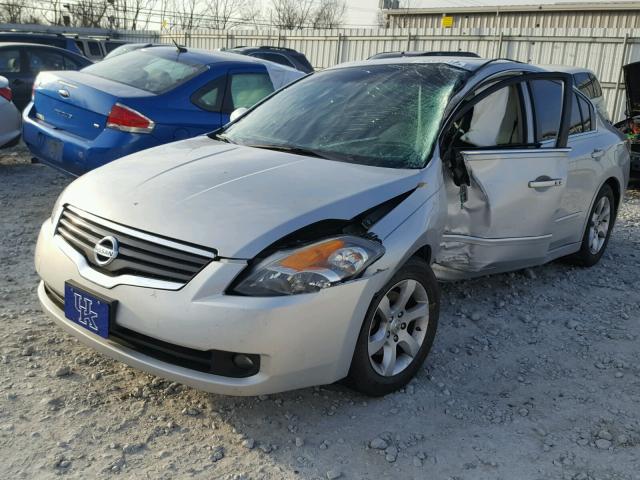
(4, 83)
(237, 113)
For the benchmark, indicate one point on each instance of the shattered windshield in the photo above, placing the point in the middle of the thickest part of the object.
(380, 115)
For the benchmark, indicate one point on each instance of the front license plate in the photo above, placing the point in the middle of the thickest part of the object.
(53, 149)
(88, 310)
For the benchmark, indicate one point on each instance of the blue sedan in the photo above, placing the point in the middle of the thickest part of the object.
(78, 121)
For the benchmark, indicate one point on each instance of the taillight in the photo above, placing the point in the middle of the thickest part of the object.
(6, 93)
(128, 120)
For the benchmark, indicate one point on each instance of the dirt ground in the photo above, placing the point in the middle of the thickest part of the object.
(534, 375)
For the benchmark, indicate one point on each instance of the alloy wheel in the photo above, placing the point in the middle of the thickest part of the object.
(398, 328)
(599, 226)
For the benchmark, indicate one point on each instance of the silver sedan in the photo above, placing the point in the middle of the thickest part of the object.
(10, 119)
(301, 244)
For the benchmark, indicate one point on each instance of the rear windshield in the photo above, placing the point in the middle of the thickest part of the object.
(146, 71)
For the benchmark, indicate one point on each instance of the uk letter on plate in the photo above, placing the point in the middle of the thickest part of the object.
(88, 310)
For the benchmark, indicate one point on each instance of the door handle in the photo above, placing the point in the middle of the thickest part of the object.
(552, 182)
(597, 153)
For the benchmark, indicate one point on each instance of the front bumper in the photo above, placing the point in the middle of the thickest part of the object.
(302, 340)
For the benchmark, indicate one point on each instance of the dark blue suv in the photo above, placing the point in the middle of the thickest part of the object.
(51, 39)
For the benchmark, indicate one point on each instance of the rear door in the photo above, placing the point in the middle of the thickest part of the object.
(508, 187)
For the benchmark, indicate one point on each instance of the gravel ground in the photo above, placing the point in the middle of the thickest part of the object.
(534, 375)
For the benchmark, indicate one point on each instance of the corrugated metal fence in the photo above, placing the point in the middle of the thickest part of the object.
(602, 50)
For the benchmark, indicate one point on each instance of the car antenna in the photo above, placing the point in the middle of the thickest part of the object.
(180, 49)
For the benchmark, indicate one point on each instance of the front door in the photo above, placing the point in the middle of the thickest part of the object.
(506, 189)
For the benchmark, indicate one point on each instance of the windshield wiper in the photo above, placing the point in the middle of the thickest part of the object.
(291, 149)
(221, 137)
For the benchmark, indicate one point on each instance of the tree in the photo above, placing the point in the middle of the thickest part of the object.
(223, 14)
(291, 14)
(88, 13)
(11, 11)
(329, 14)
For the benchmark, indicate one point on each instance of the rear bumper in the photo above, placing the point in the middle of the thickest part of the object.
(79, 155)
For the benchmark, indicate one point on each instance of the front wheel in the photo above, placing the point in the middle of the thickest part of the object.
(397, 332)
(598, 231)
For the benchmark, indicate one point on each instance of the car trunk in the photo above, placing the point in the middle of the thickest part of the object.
(79, 103)
(631, 125)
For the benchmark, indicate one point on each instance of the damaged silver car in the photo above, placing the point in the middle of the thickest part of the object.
(300, 244)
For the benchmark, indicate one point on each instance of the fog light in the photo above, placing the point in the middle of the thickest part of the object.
(242, 361)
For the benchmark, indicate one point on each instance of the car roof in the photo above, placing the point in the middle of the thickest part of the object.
(205, 57)
(36, 45)
(264, 48)
(566, 68)
(470, 64)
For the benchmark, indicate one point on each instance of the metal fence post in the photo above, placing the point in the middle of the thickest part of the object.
(409, 42)
(499, 52)
(625, 43)
(339, 48)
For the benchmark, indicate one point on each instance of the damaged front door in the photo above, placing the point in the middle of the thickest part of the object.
(504, 189)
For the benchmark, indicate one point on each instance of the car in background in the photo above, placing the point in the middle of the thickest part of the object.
(97, 48)
(378, 56)
(130, 47)
(49, 39)
(283, 56)
(587, 82)
(20, 63)
(9, 116)
(630, 126)
(81, 120)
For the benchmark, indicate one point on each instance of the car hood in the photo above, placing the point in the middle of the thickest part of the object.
(237, 200)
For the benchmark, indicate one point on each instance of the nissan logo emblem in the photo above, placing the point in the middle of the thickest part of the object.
(105, 251)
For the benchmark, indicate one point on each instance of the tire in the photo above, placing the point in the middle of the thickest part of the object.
(11, 143)
(374, 375)
(597, 223)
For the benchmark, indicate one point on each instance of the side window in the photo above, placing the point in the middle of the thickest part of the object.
(246, 89)
(587, 115)
(210, 96)
(9, 60)
(94, 49)
(597, 89)
(584, 84)
(71, 64)
(274, 57)
(43, 60)
(576, 124)
(496, 121)
(80, 46)
(546, 98)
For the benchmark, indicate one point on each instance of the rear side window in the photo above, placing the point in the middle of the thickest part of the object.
(210, 96)
(71, 64)
(247, 89)
(274, 57)
(94, 49)
(597, 89)
(10, 60)
(80, 46)
(546, 98)
(44, 60)
(146, 71)
(576, 125)
(587, 115)
(583, 82)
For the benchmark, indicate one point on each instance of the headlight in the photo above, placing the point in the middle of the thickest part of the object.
(310, 268)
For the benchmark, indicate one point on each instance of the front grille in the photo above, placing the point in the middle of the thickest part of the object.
(217, 362)
(139, 253)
